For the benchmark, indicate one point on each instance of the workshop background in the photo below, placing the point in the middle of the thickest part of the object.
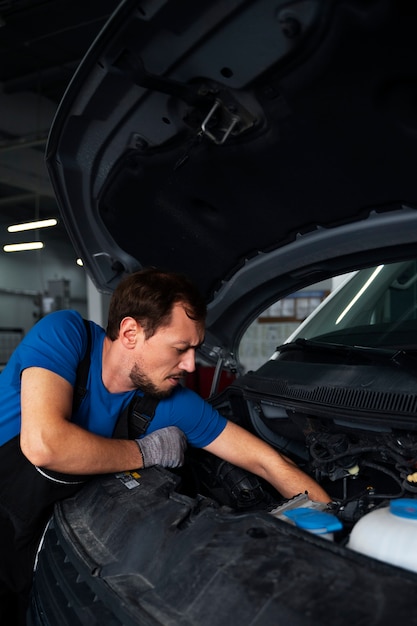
(41, 45)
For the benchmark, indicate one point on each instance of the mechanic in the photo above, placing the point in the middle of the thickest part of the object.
(48, 448)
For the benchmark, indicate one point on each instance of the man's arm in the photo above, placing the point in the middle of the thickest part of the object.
(240, 447)
(50, 440)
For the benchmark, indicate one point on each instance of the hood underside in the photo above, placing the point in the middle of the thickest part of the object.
(255, 146)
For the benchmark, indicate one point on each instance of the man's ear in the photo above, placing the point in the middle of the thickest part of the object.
(128, 332)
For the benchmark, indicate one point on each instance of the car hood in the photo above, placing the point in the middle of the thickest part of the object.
(256, 146)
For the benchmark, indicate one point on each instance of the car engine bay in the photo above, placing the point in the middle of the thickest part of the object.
(364, 467)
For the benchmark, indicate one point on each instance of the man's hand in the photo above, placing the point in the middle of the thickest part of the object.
(165, 447)
(242, 448)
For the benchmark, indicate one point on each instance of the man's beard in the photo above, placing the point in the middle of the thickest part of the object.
(142, 382)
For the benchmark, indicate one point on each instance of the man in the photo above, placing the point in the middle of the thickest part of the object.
(155, 324)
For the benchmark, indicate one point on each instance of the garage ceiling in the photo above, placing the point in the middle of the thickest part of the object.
(41, 45)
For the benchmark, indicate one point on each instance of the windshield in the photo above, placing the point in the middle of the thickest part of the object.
(377, 307)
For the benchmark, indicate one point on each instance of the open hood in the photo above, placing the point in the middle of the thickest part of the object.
(257, 146)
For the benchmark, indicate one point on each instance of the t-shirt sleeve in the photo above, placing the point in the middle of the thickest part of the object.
(56, 343)
(200, 422)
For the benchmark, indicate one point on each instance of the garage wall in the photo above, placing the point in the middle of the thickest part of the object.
(24, 280)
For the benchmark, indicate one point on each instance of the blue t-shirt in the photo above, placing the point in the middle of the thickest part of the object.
(58, 343)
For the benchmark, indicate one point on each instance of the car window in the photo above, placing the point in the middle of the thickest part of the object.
(372, 307)
(377, 307)
(273, 327)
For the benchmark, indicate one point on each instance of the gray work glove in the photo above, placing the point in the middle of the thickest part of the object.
(164, 447)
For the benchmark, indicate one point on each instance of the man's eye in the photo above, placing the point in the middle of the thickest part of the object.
(181, 350)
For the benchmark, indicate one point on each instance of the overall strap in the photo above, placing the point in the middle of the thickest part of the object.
(80, 387)
(135, 419)
(142, 411)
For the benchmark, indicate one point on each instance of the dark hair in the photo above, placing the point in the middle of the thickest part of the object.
(149, 296)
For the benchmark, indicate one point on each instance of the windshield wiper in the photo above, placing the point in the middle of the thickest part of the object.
(394, 356)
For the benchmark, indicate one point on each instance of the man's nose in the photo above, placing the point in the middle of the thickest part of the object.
(188, 361)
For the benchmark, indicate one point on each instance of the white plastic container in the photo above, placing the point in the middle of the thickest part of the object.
(389, 534)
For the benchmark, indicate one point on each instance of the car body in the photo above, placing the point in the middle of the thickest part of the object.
(259, 147)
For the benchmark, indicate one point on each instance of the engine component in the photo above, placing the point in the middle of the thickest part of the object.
(389, 533)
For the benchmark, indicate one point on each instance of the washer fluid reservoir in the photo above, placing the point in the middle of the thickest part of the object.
(389, 534)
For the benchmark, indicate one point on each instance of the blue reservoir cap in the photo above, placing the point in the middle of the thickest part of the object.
(404, 507)
(318, 522)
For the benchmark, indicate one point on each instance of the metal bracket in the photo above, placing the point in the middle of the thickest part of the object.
(229, 123)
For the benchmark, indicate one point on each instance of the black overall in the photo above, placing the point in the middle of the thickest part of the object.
(28, 495)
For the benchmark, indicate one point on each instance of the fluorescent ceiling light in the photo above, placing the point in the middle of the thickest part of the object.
(19, 247)
(17, 228)
(80, 262)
